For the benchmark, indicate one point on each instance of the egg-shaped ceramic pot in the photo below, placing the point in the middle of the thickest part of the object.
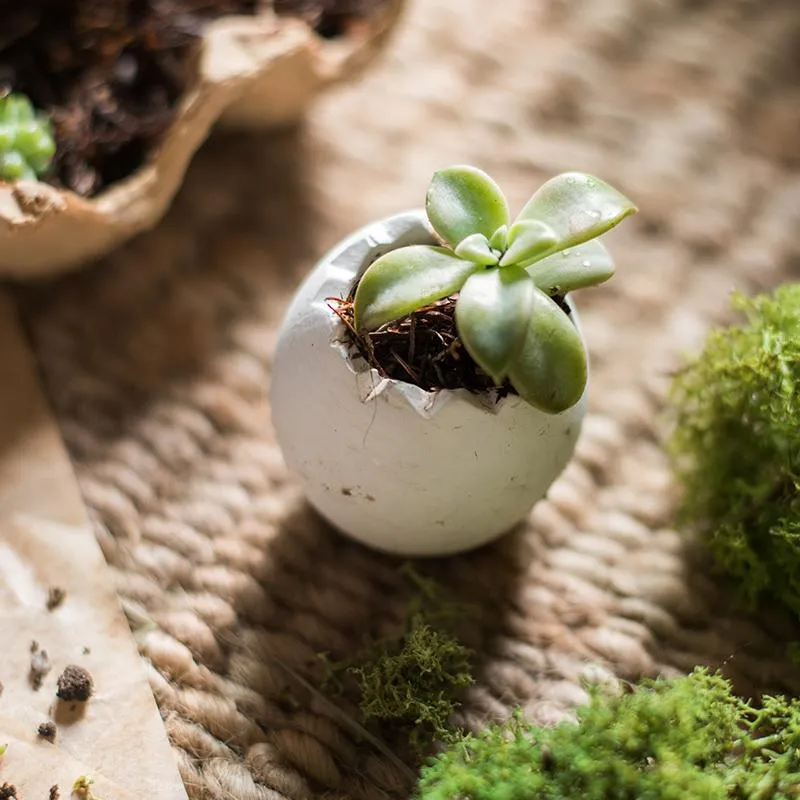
(401, 469)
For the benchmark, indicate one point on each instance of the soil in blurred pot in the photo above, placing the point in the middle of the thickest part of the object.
(111, 72)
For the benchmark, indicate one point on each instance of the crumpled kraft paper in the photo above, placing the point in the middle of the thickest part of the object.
(117, 738)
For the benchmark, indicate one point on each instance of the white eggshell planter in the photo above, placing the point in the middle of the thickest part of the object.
(400, 469)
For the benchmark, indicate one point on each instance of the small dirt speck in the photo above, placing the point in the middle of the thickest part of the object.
(347, 492)
(652, 228)
(86, 651)
(55, 597)
(75, 683)
(47, 730)
(40, 666)
(370, 498)
(55, 793)
(8, 792)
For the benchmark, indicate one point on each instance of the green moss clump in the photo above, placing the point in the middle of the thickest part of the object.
(413, 681)
(737, 446)
(27, 145)
(689, 737)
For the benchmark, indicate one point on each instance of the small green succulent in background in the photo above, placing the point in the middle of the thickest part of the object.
(27, 145)
(506, 275)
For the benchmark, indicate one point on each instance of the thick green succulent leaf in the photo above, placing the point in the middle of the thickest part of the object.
(492, 317)
(587, 264)
(16, 108)
(499, 240)
(476, 248)
(578, 207)
(35, 143)
(13, 167)
(463, 200)
(550, 371)
(528, 239)
(406, 279)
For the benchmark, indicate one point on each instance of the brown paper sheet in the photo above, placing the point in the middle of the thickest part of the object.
(45, 541)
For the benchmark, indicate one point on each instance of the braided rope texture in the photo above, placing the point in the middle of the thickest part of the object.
(157, 362)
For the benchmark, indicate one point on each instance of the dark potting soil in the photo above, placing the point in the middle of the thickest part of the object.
(75, 684)
(111, 72)
(48, 731)
(423, 349)
(55, 597)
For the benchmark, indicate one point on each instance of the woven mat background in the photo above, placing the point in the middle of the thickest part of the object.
(158, 364)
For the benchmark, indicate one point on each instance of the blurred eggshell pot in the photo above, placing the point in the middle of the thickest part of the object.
(398, 468)
(257, 71)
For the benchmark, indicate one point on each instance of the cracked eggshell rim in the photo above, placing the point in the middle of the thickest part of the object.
(402, 470)
(252, 72)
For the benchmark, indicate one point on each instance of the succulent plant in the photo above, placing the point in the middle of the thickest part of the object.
(27, 145)
(506, 275)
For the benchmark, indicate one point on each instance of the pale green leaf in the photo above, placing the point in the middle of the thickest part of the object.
(463, 200)
(492, 317)
(499, 240)
(528, 239)
(476, 248)
(587, 264)
(578, 207)
(406, 279)
(550, 371)
(16, 108)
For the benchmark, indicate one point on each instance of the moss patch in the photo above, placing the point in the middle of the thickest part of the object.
(667, 740)
(737, 446)
(413, 681)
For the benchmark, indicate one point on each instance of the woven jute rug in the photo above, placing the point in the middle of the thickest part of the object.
(158, 364)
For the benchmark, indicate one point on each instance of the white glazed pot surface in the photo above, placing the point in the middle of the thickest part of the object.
(400, 469)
